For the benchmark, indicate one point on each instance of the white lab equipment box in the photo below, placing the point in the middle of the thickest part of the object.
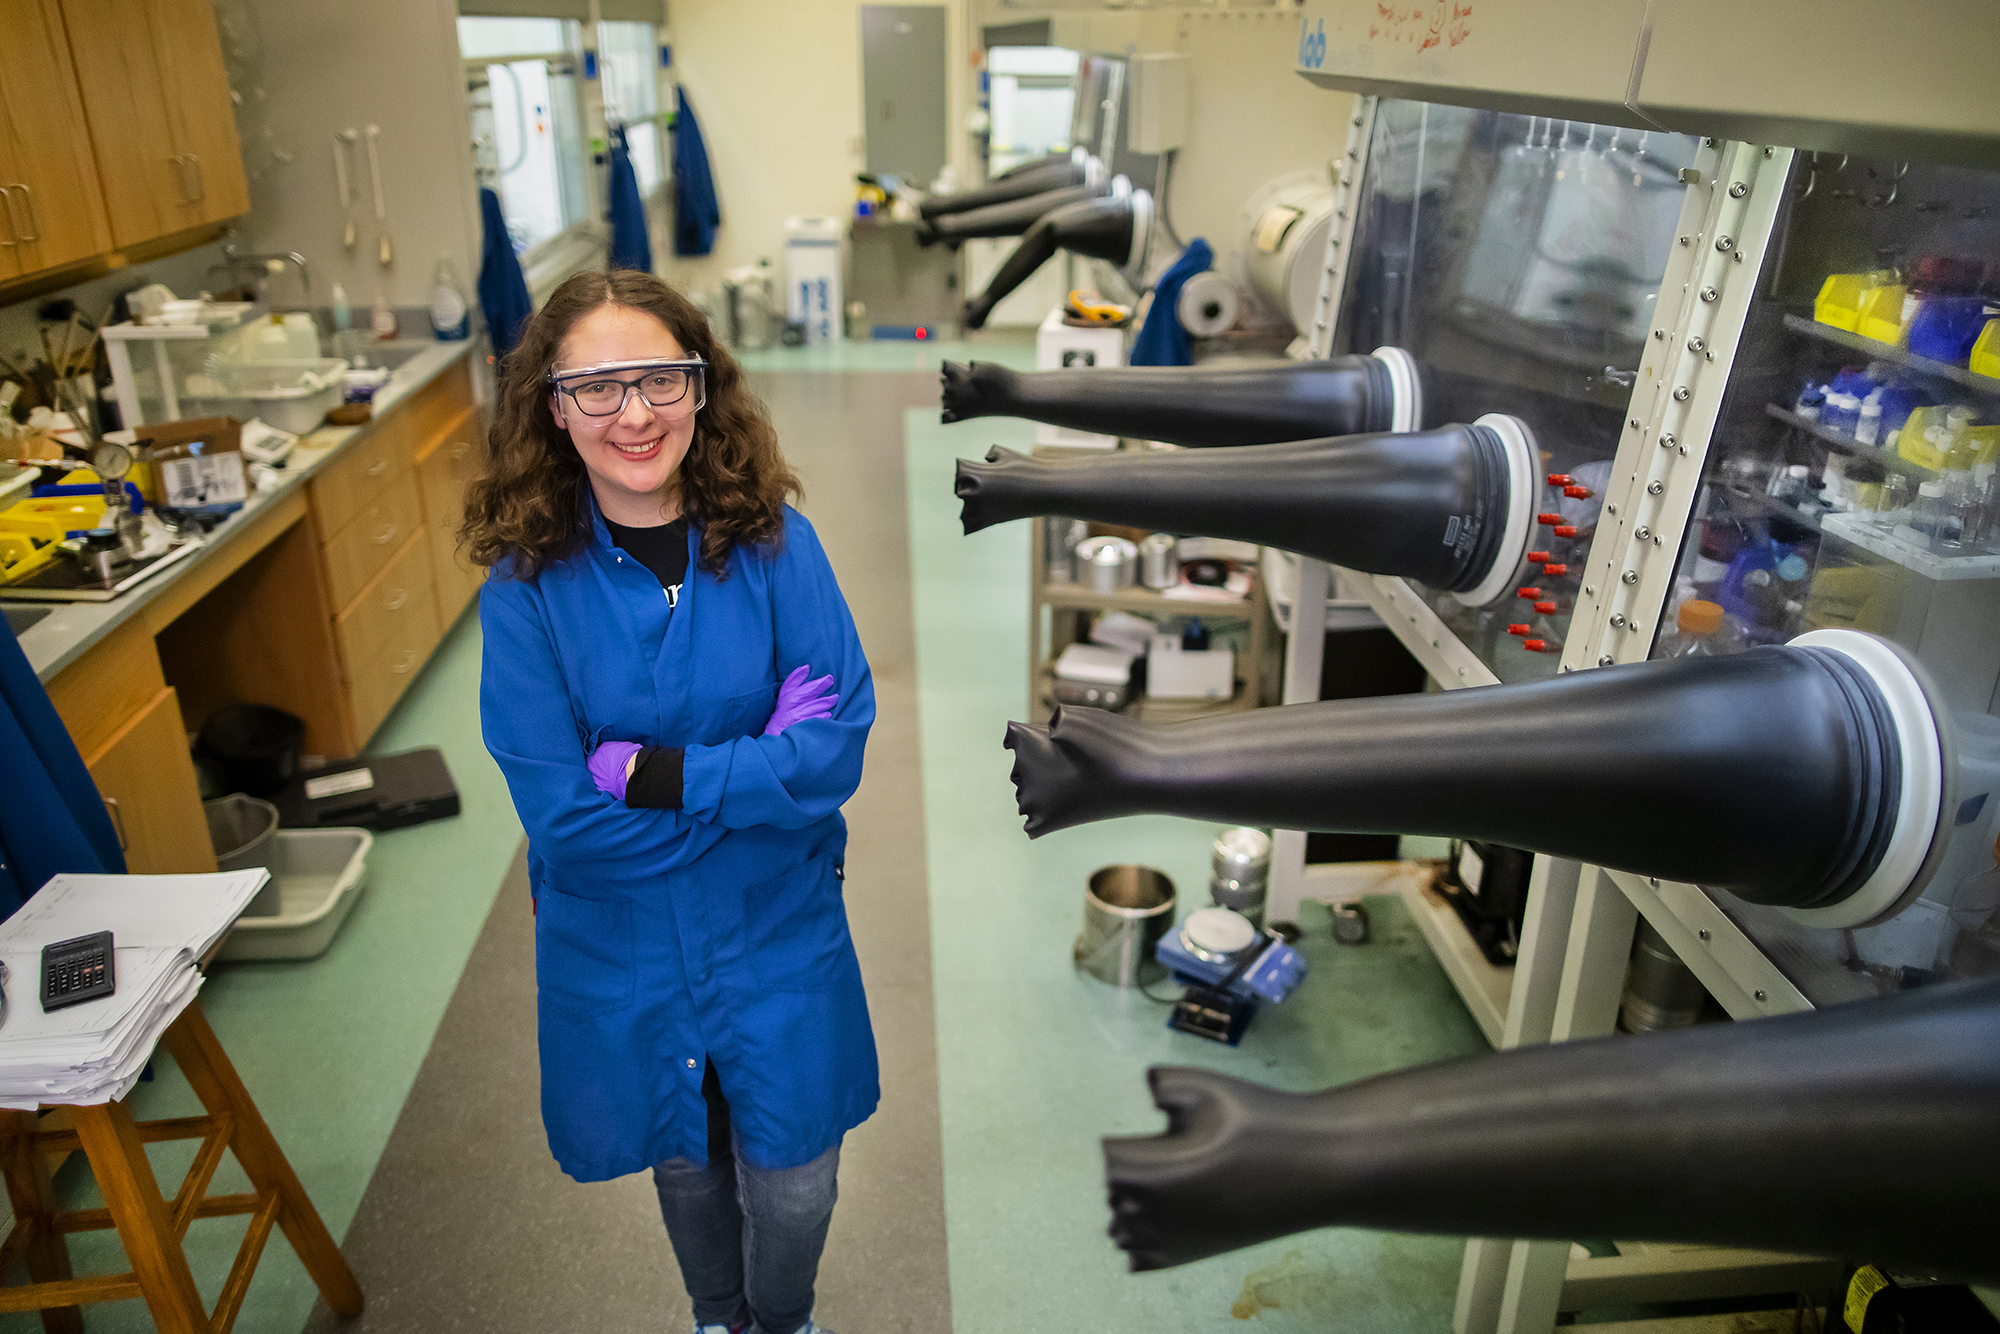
(1159, 102)
(812, 272)
(1060, 346)
(1173, 672)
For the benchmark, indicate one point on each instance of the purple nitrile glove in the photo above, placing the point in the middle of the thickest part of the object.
(607, 765)
(800, 699)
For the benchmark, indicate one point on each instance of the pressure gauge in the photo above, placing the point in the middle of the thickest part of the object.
(110, 460)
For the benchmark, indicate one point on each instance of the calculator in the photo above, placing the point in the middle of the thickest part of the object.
(79, 970)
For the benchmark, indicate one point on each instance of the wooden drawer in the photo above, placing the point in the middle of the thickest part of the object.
(380, 680)
(356, 552)
(414, 424)
(399, 594)
(355, 480)
(442, 472)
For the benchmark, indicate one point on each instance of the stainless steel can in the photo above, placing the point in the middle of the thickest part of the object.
(1240, 871)
(1059, 542)
(1126, 910)
(1159, 561)
(1107, 564)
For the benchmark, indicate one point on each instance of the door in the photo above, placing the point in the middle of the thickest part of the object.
(444, 468)
(53, 209)
(157, 100)
(147, 781)
(197, 87)
(902, 85)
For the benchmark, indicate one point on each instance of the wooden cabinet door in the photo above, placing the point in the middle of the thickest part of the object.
(54, 208)
(197, 86)
(446, 465)
(147, 779)
(157, 101)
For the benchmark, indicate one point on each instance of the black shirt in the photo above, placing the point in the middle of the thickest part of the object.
(663, 549)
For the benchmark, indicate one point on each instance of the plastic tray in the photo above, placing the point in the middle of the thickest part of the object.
(319, 874)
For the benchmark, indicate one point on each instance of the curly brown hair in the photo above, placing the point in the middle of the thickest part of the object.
(526, 506)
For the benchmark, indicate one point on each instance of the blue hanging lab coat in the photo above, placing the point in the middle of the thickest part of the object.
(715, 932)
(1162, 341)
(696, 211)
(631, 247)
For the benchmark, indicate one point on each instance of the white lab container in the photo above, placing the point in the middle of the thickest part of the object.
(1060, 346)
(1173, 672)
(319, 873)
(292, 395)
(812, 272)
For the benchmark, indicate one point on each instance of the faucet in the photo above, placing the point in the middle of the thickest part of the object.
(237, 259)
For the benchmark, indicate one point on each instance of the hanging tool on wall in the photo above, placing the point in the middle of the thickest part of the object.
(343, 171)
(386, 250)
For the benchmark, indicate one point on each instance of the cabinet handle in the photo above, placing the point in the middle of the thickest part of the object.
(12, 239)
(117, 821)
(400, 601)
(388, 534)
(200, 182)
(180, 178)
(377, 468)
(408, 661)
(21, 212)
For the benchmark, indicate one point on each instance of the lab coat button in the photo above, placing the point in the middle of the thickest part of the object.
(690, 1062)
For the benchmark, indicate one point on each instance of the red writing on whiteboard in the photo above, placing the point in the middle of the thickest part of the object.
(1425, 24)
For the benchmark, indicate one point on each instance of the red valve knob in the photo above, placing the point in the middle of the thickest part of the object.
(1517, 629)
(1528, 594)
(1535, 645)
(1546, 608)
(1559, 479)
(1555, 570)
(1565, 530)
(1538, 557)
(1577, 492)
(1548, 520)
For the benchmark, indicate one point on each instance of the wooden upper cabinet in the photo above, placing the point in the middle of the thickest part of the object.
(53, 211)
(157, 99)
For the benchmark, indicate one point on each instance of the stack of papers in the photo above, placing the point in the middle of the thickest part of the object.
(93, 1052)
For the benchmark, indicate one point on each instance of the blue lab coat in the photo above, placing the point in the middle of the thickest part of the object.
(717, 932)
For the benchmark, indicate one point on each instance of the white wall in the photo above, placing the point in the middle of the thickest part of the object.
(324, 67)
(776, 88)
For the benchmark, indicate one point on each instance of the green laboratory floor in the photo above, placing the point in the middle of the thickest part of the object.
(397, 1069)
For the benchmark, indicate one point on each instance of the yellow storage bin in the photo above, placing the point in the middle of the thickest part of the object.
(1882, 314)
(30, 530)
(21, 555)
(1986, 351)
(1914, 443)
(1839, 301)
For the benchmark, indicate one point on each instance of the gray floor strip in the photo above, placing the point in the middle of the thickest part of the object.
(468, 1224)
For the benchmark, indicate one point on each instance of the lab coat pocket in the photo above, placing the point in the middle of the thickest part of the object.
(795, 927)
(745, 714)
(583, 954)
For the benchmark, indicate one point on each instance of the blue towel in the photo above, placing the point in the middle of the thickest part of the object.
(630, 246)
(503, 292)
(1162, 341)
(52, 819)
(696, 212)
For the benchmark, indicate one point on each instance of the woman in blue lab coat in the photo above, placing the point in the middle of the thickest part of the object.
(652, 614)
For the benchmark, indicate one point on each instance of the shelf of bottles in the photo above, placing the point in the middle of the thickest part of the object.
(1850, 481)
(1518, 258)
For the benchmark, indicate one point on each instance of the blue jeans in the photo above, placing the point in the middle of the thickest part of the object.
(748, 1240)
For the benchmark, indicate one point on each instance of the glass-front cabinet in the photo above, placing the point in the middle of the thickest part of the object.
(1850, 481)
(1519, 260)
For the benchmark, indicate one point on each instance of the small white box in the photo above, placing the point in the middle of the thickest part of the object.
(1060, 346)
(1095, 663)
(1158, 101)
(812, 270)
(1173, 672)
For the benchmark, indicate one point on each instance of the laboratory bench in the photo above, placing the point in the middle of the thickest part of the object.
(324, 596)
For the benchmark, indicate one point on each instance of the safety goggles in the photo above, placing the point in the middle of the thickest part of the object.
(603, 390)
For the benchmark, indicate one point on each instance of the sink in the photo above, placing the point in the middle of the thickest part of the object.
(20, 618)
(392, 354)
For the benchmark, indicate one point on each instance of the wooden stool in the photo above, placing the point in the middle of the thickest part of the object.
(149, 1226)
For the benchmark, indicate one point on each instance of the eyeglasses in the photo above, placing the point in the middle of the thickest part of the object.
(661, 384)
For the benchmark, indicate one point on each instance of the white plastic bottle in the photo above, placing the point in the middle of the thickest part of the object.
(451, 317)
(1868, 426)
